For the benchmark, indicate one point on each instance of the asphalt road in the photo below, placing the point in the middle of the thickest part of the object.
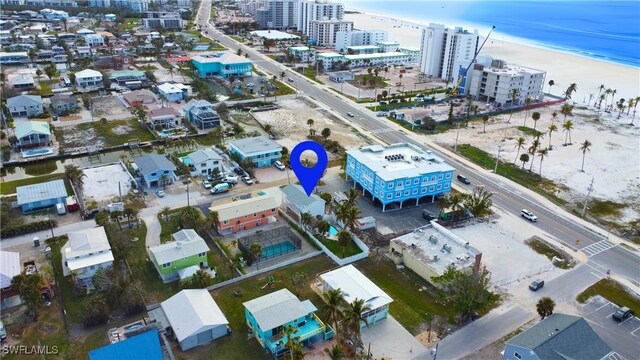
(506, 196)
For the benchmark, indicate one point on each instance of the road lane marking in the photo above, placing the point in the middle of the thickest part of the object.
(632, 333)
(608, 303)
(611, 314)
(626, 320)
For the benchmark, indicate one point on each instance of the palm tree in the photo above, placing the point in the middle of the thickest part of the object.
(310, 122)
(455, 202)
(443, 203)
(305, 220)
(554, 117)
(601, 98)
(613, 96)
(352, 196)
(297, 352)
(165, 212)
(328, 201)
(542, 153)
(566, 110)
(606, 95)
(600, 88)
(289, 331)
(524, 158)
(354, 315)
(567, 126)
(545, 307)
(344, 239)
(115, 216)
(571, 89)
(584, 147)
(335, 353)
(75, 175)
(212, 219)
(527, 103)
(348, 215)
(551, 83)
(535, 116)
(323, 227)
(332, 309)
(485, 119)
(164, 179)
(551, 129)
(255, 251)
(519, 145)
(533, 149)
(620, 107)
(479, 202)
(514, 96)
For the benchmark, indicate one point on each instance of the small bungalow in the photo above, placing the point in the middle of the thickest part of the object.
(85, 253)
(32, 134)
(203, 162)
(62, 103)
(25, 105)
(22, 82)
(297, 202)
(201, 114)
(156, 170)
(42, 195)
(180, 258)
(140, 98)
(163, 118)
(173, 92)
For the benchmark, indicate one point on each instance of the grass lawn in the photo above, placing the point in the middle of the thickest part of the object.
(208, 140)
(335, 247)
(115, 132)
(71, 304)
(365, 81)
(129, 24)
(9, 187)
(310, 73)
(175, 220)
(237, 38)
(45, 88)
(541, 247)
(237, 346)
(612, 291)
(282, 89)
(513, 172)
(526, 130)
(410, 306)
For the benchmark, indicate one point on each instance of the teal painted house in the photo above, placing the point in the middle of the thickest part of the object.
(180, 258)
(268, 315)
(262, 151)
(222, 63)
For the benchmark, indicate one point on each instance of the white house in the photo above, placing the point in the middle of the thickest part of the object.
(163, 118)
(204, 161)
(25, 105)
(94, 40)
(297, 202)
(89, 77)
(85, 253)
(173, 92)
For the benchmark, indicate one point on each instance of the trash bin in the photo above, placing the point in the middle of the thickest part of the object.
(36, 242)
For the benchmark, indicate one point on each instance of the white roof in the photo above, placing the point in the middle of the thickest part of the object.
(43, 191)
(240, 208)
(255, 145)
(374, 56)
(278, 308)
(202, 155)
(88, 73)
(355, 285)
(191, 312)
(91, 246)
(186, 243)
(274, 34)
(169, 88)
(222, 57)
(9, 267)
(415, 161)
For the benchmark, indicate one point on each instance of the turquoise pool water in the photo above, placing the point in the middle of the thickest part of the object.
(37, 152)
(277, 250)
(332, 230)
(165, 133)
(186, 160)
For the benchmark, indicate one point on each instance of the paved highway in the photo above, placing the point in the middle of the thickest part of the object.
(506, 196)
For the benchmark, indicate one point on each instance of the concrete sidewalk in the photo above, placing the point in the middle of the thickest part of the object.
(389, 340)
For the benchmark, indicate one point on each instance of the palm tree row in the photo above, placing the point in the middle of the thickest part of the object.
(346, 319)
(478, 203)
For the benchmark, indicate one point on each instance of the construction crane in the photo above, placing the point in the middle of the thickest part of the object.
(454, 91)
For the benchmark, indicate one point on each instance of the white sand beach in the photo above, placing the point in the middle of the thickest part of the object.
(563, 68)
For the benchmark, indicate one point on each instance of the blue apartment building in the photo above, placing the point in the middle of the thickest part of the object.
(268, 315)
(262, 151)
(399, 172)
(222, 63)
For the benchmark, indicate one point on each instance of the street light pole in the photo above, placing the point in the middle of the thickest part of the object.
(495, 170)
(589, 190)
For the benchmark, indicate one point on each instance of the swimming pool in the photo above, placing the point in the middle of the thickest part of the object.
(332, 230)
(186, 160)
(37, 152)
(165, 133)
(277, 250)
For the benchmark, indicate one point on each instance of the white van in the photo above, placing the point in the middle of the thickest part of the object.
(231, 179)
(3, 331)
(366, 222)
(61, 209)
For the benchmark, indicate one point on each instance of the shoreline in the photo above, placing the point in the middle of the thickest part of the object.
(562, 66)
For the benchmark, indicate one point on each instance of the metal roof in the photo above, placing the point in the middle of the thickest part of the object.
(26, 128)
(24, 100)
(278, 308)
(355, 285)
(142, 346)
(295, 194)
(240, 208)
(43, 191)
(150, 163)
(202, 155)
(222, 57)
(88, 73)
(86, 248)
(253, 145)
(191, 312)
(561, 337)
(9, 267)
(186, 243)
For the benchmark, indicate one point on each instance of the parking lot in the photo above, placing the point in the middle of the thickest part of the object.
(623, 337)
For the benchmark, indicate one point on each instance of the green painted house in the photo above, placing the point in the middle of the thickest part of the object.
(182, 257)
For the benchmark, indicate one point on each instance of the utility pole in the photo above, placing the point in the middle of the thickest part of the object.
(589, 190)
(495, 170)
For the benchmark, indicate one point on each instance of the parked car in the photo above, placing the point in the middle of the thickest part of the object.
(383, 103)
(622, 314)
(61, 209)
(160, 193)
(350, 114)
(382, 114)
(220, 188)
(247, 180)
(290, 79)
(238, 171)
(206, 184)
(279, 165)
(427, 215)
(528, 215)
(536, 285)
(230, 179)
(394, 101)
(463, 179)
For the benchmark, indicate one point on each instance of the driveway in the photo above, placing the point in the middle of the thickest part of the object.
(389, 340)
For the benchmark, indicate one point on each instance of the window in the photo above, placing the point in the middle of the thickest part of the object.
(431, 188)
(440, 177)
(92, 267)
(446, 185)
(416, 181)
(153, 174)
(398, 193)
(246, 216)
(390, 186)
(517, 355)
(164, 266)
(166, 171)
(225, 222)
(439, 186)
(399, 183)
(273, 210)
(388, 196)
(415, 191)
(201, 254)
(433, 178)
(423, 190)
(407, 182)
(448, 175)
(406, 193)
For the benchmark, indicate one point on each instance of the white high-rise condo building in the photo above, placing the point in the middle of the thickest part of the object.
(310, 10)
(278, 15)
(323, 32)
(344, 39)
(493, 81)
(443, 51)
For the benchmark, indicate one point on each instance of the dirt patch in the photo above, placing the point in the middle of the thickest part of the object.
(78, 137)
(121, 129)
(70, 118)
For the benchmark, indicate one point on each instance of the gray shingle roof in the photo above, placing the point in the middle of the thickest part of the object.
(258, 144)
(561, 337)
(42, 191)
(202, 155)
(295, 194)
(59, 99)
(152, 163)
(24, 100)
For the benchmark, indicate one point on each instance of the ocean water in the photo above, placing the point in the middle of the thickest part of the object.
(605, 30)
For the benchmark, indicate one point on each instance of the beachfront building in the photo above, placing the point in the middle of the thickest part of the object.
(412, 52)
(493, 81)
(32, 134)
(261, 150)
(323, 32)
(88, 77)
(13, 58)
(156, 170)
(203, 162)
(296, 202)
(278, 15)
(268, 315)
(388, 46)
(355, 285)
(330, 60)
(377, 59)
(173, 92)
(399, 172)
(201, 114)
(162, 19)
(25, 105)
(273, 35)
(313, 10)
(163, 118)
(41, 195)
(443, 51)
(344, 39)
(430, 249)
(303, 53)
(222, 63)
(362, 49)
(248, 213)
(85, 253)
(181, 258)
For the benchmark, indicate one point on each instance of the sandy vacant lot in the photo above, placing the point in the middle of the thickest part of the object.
(104, 183)
(289, 123)
(613, 160)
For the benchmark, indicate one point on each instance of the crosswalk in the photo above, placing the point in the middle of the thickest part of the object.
(382, 130)
(597, 248)
(616, 356)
